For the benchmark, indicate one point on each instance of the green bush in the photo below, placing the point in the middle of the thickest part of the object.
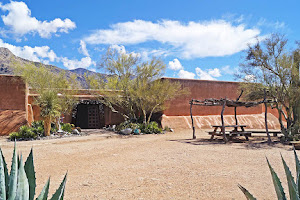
(36, 124)
(127, 124)
(293, 185)
(21, 183)
(150, 128)
(67, 127)
(25, 132)
(38, 128)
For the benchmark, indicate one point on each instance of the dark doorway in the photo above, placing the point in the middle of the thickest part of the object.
(90, 116)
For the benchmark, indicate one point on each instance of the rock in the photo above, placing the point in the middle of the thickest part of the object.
(75, 131)
(126, 131)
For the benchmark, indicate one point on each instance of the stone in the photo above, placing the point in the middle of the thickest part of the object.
(75, 131)
(126, 131)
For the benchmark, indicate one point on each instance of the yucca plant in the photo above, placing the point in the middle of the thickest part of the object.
(293, 186)
(21, 183)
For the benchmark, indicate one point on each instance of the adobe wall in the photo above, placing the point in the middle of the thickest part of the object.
(13, 93)
(202, 89)
(177, 113)
(13, 103)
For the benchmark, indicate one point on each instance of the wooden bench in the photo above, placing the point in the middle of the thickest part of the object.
(231, 134)
(275, 133)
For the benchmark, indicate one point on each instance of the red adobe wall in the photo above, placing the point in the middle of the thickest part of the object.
(177, 114)
(202, 89)
(13, 103)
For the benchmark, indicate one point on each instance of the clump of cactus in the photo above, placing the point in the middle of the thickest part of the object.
(293, 186)
(21, 182)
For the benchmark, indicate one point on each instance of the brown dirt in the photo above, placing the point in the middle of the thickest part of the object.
(170, 166)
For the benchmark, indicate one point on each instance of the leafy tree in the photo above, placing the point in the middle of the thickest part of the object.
(270, 65)
(53, 98)
(133, 87)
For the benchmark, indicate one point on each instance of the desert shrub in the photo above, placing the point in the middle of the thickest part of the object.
(36, 124)
(14, 135)
(38, 127)
(168, 129)
(21, 183)
(150, 128)
(293, 185)
(127, 124)
(25, 132)
(67, 127)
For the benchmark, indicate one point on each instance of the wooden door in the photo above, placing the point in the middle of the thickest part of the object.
(93, 116)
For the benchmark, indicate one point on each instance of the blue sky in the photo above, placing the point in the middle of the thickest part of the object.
(196, 39)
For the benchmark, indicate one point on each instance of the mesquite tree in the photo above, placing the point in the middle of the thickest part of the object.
(270, 65)
(133, 87)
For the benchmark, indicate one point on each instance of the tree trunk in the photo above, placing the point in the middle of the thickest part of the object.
(151, 113)
(283, 129)
(145, 117)
(47, 126)
(266, 117)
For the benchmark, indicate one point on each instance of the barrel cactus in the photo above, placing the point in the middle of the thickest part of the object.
(21, 182)
(293, 186)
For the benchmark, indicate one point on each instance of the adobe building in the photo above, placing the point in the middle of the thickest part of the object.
(17, 107)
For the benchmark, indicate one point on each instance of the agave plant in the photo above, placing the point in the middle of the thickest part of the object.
(21, 182)
(293, 186)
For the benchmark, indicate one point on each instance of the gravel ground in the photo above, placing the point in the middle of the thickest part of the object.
(170, 166)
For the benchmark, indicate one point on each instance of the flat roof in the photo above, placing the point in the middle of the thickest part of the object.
(199, 80)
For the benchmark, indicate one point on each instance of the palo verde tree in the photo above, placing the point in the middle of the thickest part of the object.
(270, 66)
(54, 96)
(133, 87)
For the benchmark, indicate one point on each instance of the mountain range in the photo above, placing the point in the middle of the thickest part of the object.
(7, 58)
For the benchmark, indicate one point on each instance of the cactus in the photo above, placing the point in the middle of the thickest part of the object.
(293, 186)
(21, 182)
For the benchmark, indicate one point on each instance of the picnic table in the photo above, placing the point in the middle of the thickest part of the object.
(235, 130)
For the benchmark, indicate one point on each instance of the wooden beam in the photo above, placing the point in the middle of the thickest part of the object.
(222, 119)
(191, 105)
(236, 120)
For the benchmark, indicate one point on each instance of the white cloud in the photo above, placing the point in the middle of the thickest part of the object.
(21, 22)
(122, 50)
(186, 74)
(147, 54)
(210, 74)
(119, 48)
(203, 75)
(214, 72)
(37, 54)
(45, 55)
(73, 64)
(175, 65)
(271, 24)
(194, 39)
(82, 49)
(249, 78)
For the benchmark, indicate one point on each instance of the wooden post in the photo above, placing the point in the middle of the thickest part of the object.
(191, 105)
(222, 119)
(266, 117)
(236, 120)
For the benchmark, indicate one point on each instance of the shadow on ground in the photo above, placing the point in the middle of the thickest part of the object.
(253, 143)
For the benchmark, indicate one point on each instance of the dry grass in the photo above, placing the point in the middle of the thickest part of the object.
(170, 166)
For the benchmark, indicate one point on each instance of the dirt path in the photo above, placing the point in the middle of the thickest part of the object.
(169, 166)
